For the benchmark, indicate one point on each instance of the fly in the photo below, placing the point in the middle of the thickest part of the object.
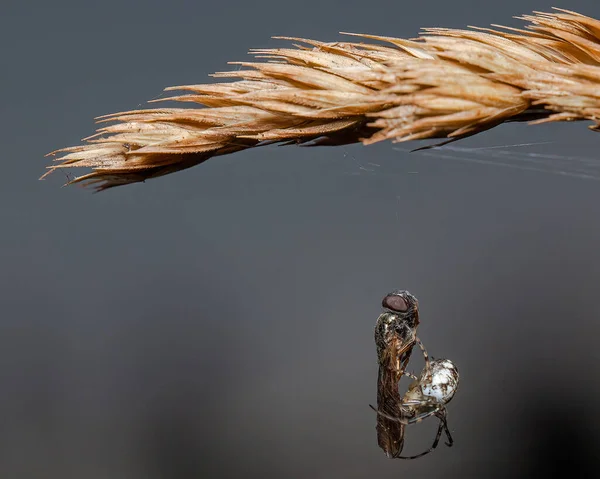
(395, 336)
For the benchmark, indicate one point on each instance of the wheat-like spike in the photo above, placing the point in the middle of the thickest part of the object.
(446, 83)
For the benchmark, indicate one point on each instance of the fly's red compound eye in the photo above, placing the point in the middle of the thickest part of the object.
(395, 303)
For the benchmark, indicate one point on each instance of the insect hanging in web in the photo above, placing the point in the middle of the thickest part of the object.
(427, 395)
(395, 336)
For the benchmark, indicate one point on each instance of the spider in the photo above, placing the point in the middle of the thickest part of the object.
(427, 395)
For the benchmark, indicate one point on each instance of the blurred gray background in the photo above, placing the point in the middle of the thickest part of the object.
(219, 322)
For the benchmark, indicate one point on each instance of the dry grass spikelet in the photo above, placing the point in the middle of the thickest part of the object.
(446, 83)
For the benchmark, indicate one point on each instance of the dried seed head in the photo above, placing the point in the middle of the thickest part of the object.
(445, 84)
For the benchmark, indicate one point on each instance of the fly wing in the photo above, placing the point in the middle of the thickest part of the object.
(390, 434)
(395, 337)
